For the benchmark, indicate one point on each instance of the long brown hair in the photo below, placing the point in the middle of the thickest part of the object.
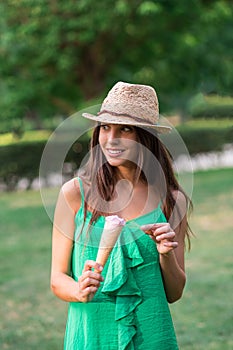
(101, 177)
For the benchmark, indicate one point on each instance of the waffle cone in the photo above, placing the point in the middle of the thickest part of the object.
(112, 229)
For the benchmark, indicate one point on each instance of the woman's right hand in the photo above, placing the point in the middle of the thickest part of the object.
(89, 281)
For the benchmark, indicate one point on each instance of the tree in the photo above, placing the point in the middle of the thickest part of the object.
(55, 54)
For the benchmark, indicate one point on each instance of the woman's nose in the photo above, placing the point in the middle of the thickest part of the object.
(113, 136)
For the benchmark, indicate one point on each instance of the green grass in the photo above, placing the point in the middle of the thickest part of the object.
(204, 316)
(32, 318)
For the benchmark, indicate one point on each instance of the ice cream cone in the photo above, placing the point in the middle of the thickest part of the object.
(112, 229)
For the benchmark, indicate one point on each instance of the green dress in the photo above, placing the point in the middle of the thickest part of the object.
(129, 310)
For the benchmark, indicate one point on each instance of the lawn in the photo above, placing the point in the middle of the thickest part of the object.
(204, 316)
(32, 318)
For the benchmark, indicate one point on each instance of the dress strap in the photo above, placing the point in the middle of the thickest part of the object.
(81, 191)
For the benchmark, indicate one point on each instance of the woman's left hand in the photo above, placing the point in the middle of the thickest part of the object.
(163, 235)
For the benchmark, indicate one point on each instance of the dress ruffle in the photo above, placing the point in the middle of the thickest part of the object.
(121, 283)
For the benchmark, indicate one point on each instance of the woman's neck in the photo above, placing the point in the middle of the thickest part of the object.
(128, 173)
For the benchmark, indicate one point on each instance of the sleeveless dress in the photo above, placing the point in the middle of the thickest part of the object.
(129, 310)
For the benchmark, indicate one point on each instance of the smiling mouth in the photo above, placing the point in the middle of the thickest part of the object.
(115, 151)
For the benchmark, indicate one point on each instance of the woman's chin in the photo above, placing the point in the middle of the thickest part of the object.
(116, 161)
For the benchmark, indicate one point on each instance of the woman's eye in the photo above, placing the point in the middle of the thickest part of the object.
(104, 127)
(123, 128)
(127, 128)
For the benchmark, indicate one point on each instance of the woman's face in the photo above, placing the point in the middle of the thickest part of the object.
(118, 143)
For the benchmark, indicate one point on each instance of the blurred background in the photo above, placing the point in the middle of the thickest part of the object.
(59, 57)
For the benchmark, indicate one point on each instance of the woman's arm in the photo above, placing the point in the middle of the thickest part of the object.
(169, 238)
(62, 284)
(172, 262)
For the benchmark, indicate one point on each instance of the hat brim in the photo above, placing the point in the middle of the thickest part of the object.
(108, 118)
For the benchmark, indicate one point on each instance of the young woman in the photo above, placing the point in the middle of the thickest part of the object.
(129, 174)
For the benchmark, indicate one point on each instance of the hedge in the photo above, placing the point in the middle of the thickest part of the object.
(22, 160)
(199, 140)
(212, 106)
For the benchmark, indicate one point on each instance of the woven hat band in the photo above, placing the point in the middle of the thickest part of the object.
(136, 119)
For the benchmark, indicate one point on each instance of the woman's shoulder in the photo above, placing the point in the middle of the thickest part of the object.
(179, 197)
(71, 192)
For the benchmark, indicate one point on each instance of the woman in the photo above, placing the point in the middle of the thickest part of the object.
(129, 174)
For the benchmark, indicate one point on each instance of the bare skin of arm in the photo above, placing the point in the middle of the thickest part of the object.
(62, 284)
(170, 245)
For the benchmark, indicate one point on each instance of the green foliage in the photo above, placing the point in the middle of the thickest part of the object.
(211, 107)
(56, 54)
(204, 140)
(21, 159)
(29, 136)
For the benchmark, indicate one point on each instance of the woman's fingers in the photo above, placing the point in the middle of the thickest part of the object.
(89, 278)
(89, 290)
(168, 236)
(162, 234)
(160, 229)
(147, 228)
(91, 264)
(87, 294)
(88, 287)
(171, 244)
(163, 228)
(91, 274)
(89, 281)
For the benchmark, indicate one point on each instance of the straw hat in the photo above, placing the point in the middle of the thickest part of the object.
(130, 104)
